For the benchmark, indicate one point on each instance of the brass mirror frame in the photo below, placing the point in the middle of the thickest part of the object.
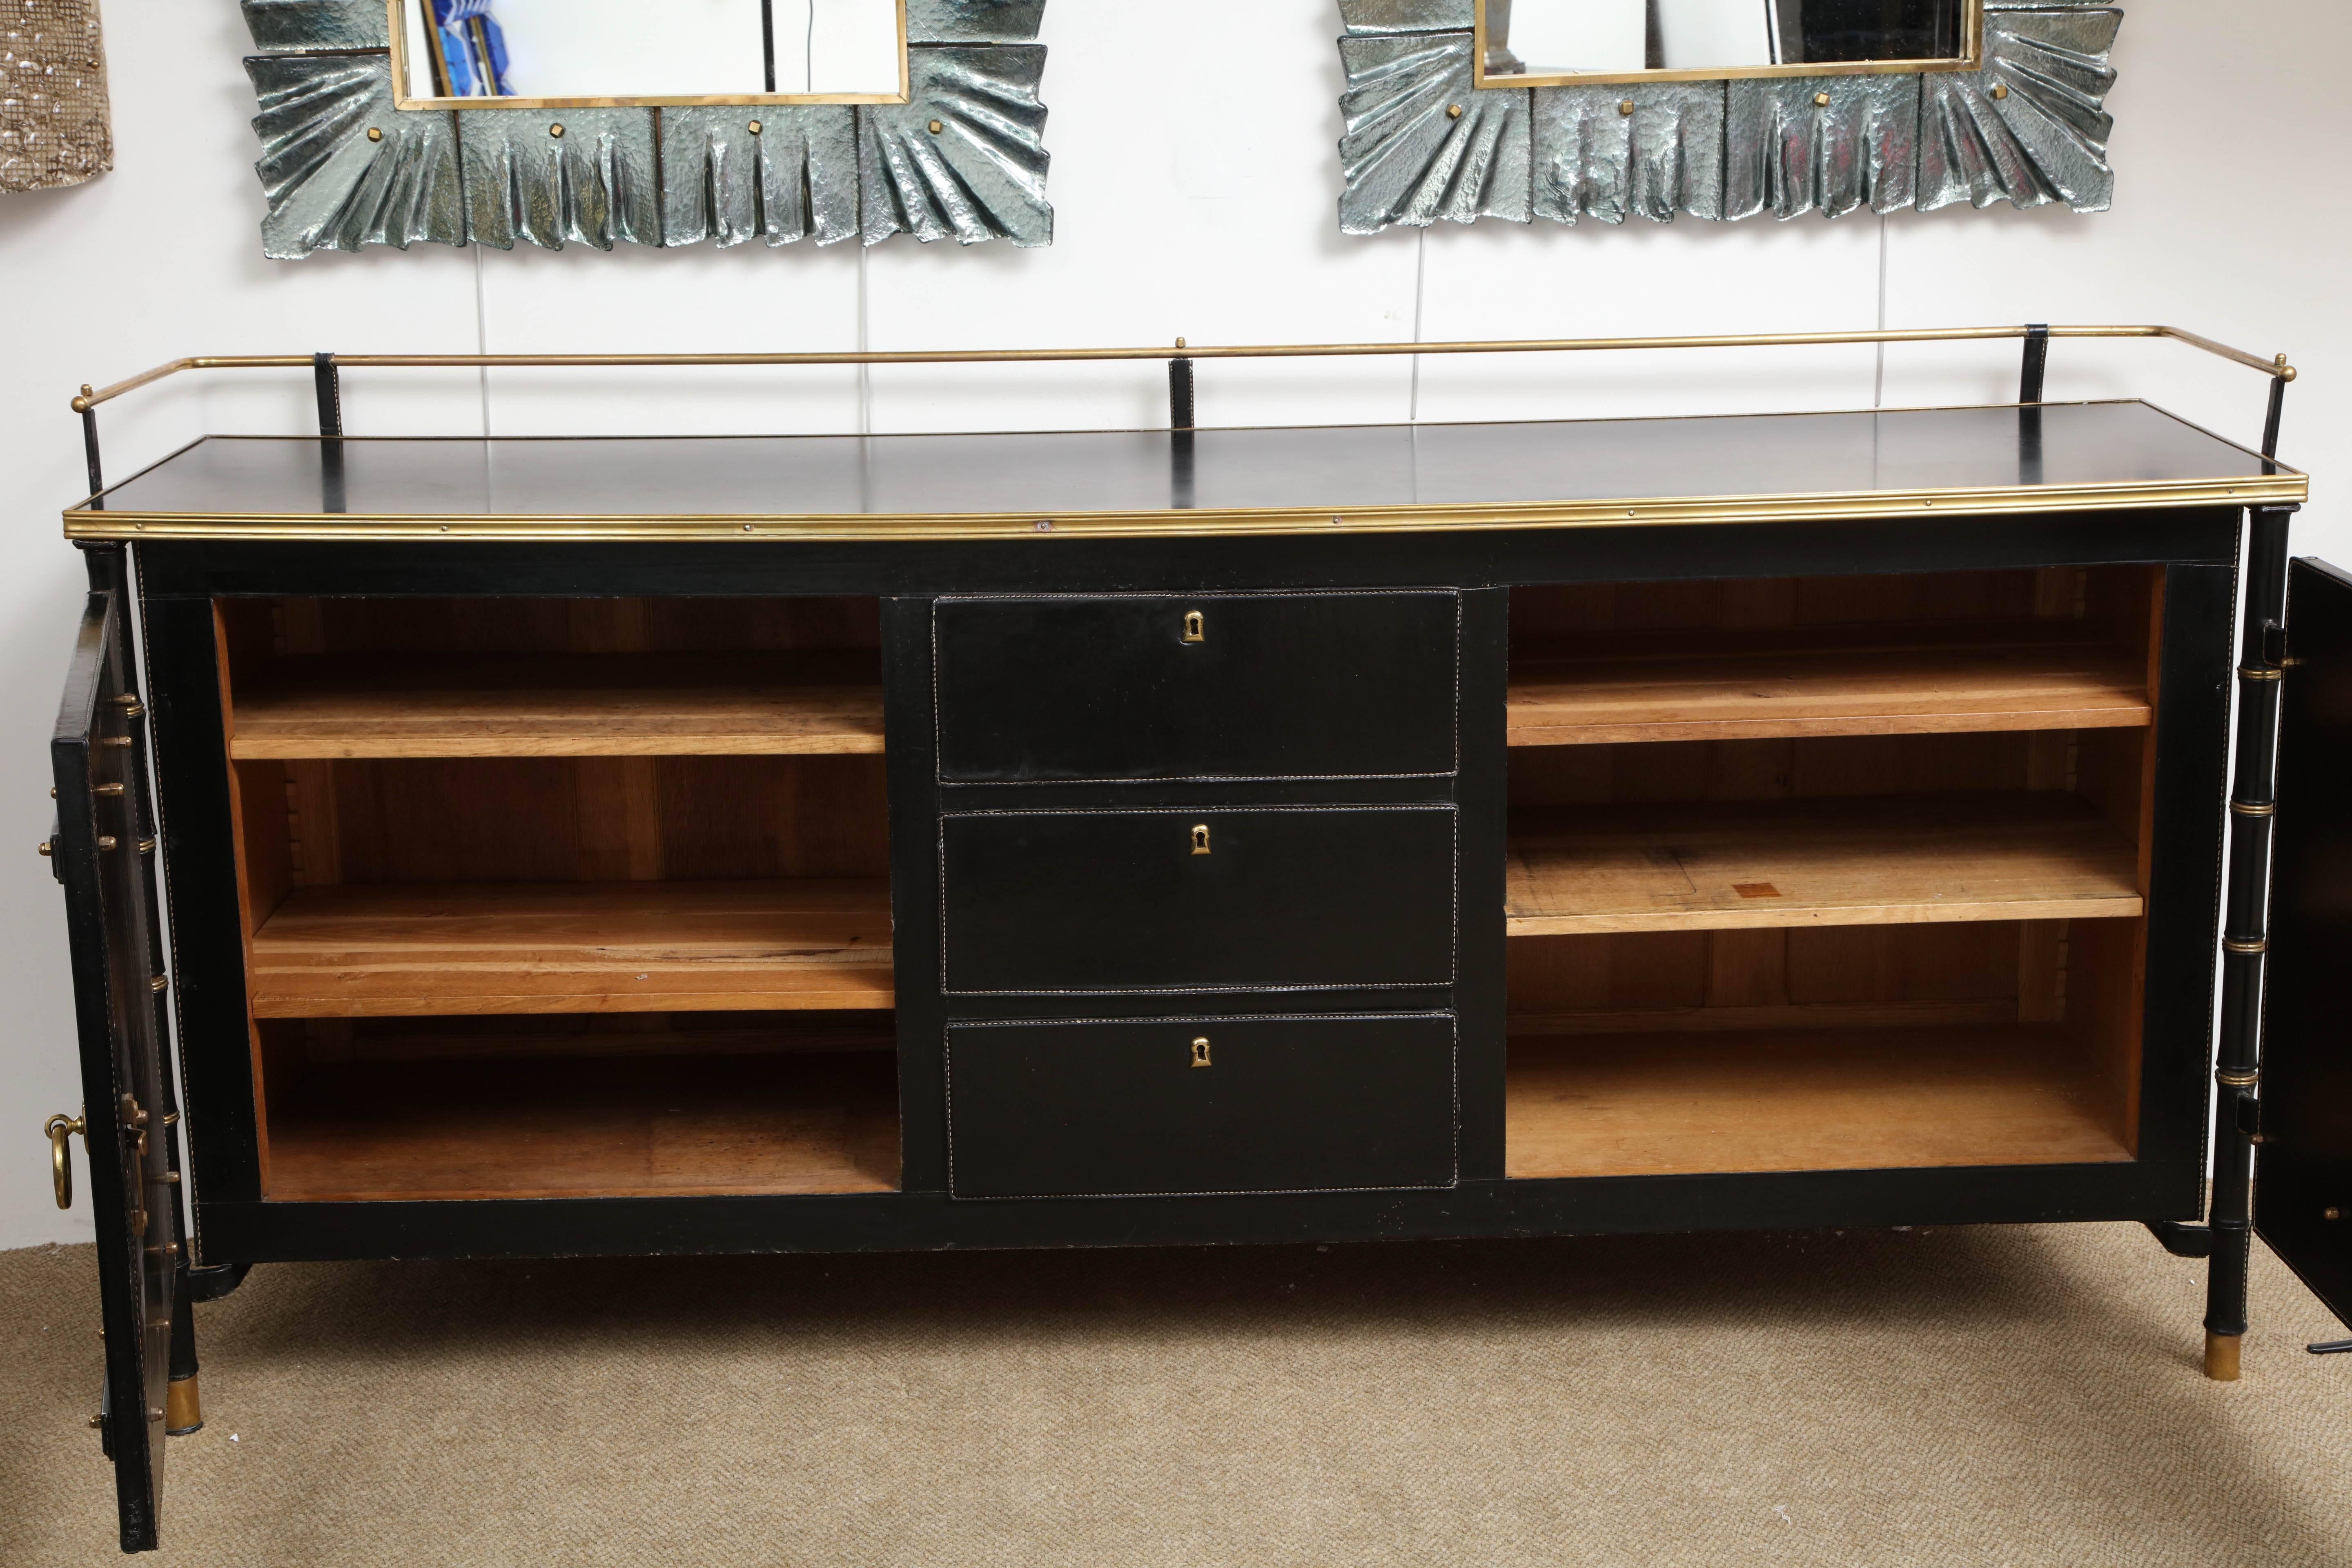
(399, 36)
(1424, 140)
(345, 165)
(1970, 57)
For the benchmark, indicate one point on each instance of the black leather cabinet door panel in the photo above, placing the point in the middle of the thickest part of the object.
(2304, 1165)
(1221, 1105)
(1205, 687)
(1153, 900)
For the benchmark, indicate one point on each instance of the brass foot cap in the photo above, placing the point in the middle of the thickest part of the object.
(2222, 1357)
(183, 1411)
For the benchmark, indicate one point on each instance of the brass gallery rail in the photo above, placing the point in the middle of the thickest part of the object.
(89, 399)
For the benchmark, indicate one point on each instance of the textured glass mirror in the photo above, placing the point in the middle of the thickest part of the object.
(566, 53)
(1722, 109)
(1557, 43)
(666, 123)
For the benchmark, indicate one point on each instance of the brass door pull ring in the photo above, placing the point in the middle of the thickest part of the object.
(59, 1130)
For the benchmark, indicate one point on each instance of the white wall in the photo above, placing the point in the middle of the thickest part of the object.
(1194, 180)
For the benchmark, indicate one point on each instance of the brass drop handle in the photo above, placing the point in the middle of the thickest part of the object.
(60, 1129)
(1200, 1052)
(1194, 631)
(1201, 839)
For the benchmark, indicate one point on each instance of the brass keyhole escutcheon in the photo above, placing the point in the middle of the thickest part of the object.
(1200, 1052)
(1194, 630)
(1201, 839)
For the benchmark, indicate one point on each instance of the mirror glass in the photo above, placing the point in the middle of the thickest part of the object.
(1543, 41)
(569, 50)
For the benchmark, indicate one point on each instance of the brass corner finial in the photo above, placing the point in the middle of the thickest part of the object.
(81, 404)
(1179, 343)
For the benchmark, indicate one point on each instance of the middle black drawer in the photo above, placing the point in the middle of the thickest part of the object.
(1268, 898)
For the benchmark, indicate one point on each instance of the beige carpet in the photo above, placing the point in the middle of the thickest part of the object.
(1979, 1396)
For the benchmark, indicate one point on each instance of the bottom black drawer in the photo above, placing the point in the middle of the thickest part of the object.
(1131, 1107)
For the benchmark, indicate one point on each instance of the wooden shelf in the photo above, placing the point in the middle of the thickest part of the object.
(574, 947)
(1627, 1105)
(670, 1127)
(1757, 688)
(1859, 860)
(570, 705)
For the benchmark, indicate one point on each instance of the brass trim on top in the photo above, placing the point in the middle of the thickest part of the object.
(1833, 506)
(398, 28)
(1972, 58)
(89, 399)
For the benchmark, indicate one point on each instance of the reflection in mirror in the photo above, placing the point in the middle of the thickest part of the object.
(672, 48)
(1535, 38)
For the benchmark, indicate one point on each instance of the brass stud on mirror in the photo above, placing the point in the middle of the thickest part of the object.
(755, 128)
(2001, 90)
(374, 135)
(937, 127)
(1625, 106)
(555, 131)
(1821, 101)
(1453, 111)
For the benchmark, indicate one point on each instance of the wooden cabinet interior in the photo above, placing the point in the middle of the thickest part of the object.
(512, 677)
(633, 1105)
(583, 896)
(494, 810)
(1715, 660)
(573, 947)
(1829, 874)
(1717, 686)
(812, 701)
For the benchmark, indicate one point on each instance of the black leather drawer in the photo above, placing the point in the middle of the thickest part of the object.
(1269, 686)
(1107, 1109)
(1265, 897)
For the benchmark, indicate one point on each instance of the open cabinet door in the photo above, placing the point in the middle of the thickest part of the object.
(2302, 1189)
(106, 866)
